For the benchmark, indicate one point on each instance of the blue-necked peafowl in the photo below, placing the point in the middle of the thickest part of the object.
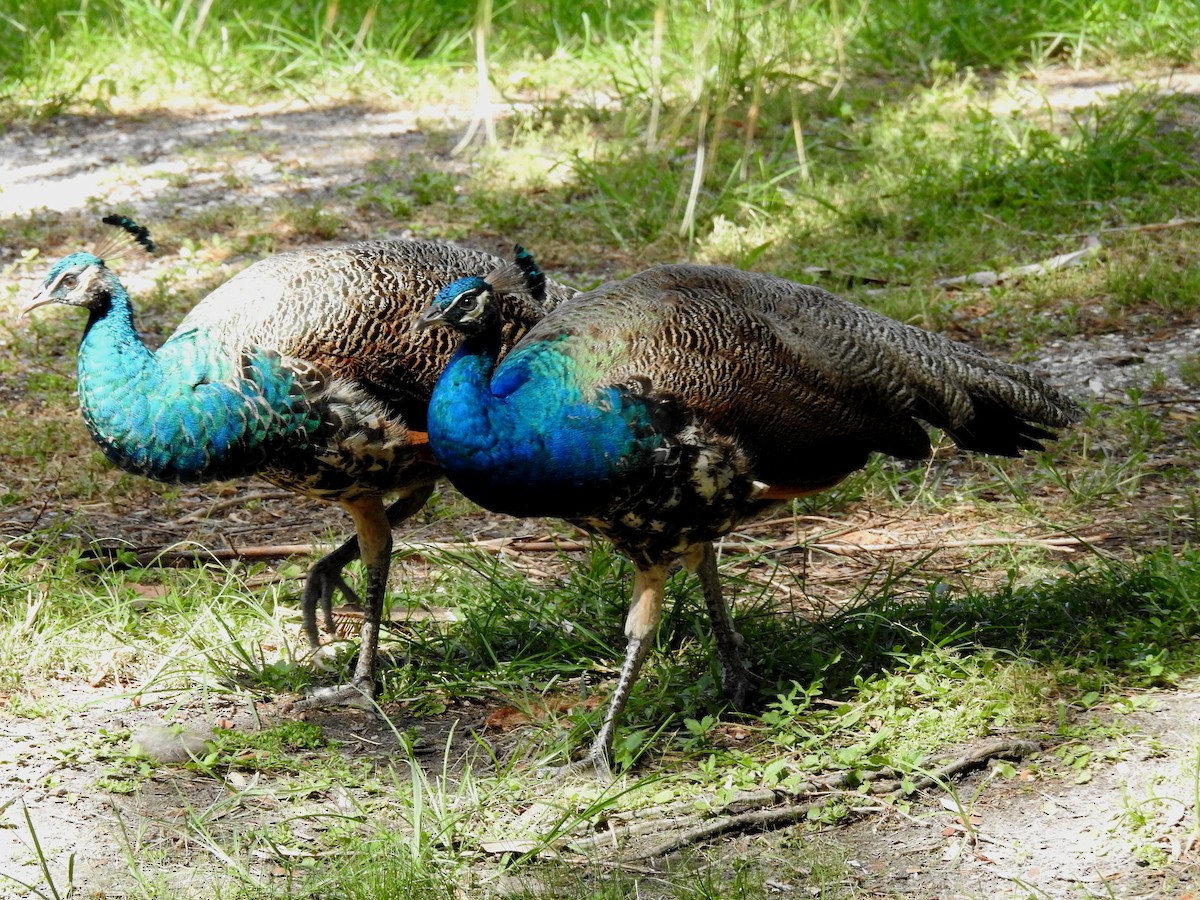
(303, 369)
(662, 410)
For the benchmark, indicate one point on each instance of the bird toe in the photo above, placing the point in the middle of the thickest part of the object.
(594, 765)
(358, 693)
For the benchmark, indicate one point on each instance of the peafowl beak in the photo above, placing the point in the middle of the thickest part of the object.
(435, 315)
(41, 298)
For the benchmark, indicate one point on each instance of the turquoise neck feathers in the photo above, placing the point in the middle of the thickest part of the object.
(185, 413)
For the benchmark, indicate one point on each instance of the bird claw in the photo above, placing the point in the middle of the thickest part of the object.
(594, 764)
(358, 694)
(324, 579)
(736, 684)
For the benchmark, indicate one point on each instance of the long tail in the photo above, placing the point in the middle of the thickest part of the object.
(1009, 408)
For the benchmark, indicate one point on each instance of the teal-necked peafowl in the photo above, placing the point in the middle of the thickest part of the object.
(662, 410)
(305, 370)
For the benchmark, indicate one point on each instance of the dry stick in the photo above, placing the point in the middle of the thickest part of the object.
(687, 227)
(987, 278)
(483, 87)
(1169, 401)
(752, 114)
(849, 548)
(164, 557)
(656, 49)
(841, 525)
(365, 28)
(798, 137)
(233, 501)
(1115, 229)
(1152, 226)
(1090, 248)
(774, 817)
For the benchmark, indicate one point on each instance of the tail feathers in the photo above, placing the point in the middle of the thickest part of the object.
(985, 404)
(999, 408)
(999, 432)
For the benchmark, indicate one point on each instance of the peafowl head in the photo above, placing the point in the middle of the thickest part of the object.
(82, 279)
(471, 305)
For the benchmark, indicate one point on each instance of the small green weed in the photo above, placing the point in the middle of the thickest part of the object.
(290, 747)
(308, 221)
(1189, 370)
(1171, 285)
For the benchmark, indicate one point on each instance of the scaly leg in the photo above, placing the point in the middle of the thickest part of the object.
(645, 611)
(375, 544)
(325, 576)
(735, 677)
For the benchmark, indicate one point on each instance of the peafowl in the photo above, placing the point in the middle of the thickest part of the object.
(303, 369)
(662, 410)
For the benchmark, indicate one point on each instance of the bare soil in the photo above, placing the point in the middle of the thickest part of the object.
(1047, 833)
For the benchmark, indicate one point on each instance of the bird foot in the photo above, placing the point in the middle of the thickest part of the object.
(327, 657)
(324, 580)
(594, 764)
(595, 768)
(359, 694)
(735, 685)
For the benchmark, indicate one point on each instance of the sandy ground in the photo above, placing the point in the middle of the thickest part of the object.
(1043, 834)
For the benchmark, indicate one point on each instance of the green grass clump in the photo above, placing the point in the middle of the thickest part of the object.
(1170, 284)
(935, 668)
(513, 634)
(1115, 622)
(999, 33)
(733, 58)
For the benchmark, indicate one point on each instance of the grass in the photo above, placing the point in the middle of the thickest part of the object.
(881, 684)
(889, 141)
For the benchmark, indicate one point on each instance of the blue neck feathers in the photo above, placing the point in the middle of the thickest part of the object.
(186, 413)
(527, 438)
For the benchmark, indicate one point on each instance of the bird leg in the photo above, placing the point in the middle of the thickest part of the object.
(645, 611)
(325, 576)
(375, 545)
(735, 677)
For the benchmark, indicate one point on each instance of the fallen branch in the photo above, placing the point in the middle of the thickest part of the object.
(1113, 229)
(851, 548)
(988, 278)
(1152, 226)
(1168, 401)
(239, 500)
(793, 813)
(143, 557)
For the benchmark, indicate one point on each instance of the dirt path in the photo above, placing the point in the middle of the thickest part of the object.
(1049, 833)
(1123, 826)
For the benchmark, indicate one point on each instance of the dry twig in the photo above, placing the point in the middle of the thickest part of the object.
(239, 500)
(163, 556)
(813, 796)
